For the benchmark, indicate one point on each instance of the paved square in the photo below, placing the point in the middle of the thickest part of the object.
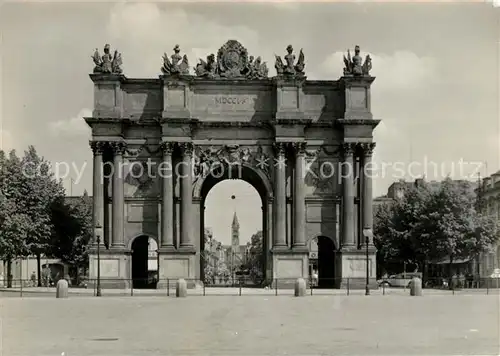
(251, 325)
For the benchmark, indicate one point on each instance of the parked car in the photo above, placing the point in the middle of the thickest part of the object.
(496, 273)
(399, 280)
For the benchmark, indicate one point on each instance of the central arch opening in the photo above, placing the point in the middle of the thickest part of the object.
(233, 229)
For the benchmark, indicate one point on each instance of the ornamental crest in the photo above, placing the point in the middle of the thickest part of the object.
(232, 58)
(232, 62)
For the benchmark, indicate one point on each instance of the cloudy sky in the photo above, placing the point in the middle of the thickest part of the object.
(436, 65)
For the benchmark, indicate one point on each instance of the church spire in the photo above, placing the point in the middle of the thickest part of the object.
(236, 224)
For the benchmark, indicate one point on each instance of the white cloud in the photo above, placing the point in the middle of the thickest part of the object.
(75, 126)
(400, 70)
(142, 33)
(6, 140)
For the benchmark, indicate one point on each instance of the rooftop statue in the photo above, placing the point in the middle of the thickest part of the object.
(354, 66)
(290, 68)
(233, 62)
(176, 65)
(206, 69)
(106, 63)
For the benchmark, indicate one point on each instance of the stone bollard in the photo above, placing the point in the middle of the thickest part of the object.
(62, 289)
(300, 287)
(416, 287)
(181, 288)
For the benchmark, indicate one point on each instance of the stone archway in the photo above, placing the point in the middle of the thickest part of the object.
(323, 254)
(144, 266)
(285, 129)
(219, 172)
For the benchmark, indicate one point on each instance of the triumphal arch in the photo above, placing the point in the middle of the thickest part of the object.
(161, 144)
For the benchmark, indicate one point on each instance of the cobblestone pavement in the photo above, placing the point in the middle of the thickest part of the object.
(435, 324)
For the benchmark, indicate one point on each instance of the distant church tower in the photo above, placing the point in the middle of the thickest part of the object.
(235, 235)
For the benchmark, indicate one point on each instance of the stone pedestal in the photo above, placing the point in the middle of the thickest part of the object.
(351, 267)
(176, 264)
(116, 268)
(416, 287)
(288, 265)
(62, 289)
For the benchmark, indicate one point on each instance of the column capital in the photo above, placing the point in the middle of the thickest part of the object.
(118, 147)
(279, 148)
(348, 148)
(187, 148)
(167, 147)
(367, 148)
(299, 148)
(97, 147)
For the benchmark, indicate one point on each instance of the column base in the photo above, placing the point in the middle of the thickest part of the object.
(351, 268)
(115, 269)
(288, 265)
(175, 264)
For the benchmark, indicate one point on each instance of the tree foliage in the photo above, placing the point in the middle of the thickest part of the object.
(42, 190)
(72, 231)
(431, 224)
(14, 223)
(255, 258)
(33, 217)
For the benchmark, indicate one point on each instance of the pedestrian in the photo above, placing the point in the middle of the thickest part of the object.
(33, 279)
(315, 278)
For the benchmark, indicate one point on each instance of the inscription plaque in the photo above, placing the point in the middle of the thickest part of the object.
(231, 100)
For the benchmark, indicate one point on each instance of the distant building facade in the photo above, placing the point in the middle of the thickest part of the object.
(490, 195)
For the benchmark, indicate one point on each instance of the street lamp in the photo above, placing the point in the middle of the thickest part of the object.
(367, 233)
(98, 233)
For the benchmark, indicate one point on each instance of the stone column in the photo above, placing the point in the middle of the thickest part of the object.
(299, 206)
(280, 196)
(167, 205)
(118, 203)
(367, 199)
(98, 185)
(186, 194)
(348, 195)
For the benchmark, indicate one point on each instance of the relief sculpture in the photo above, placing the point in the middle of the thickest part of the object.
(140, 178)
(207, 160)
(320, 171)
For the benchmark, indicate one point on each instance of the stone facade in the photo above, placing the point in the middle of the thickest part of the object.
(286, 135)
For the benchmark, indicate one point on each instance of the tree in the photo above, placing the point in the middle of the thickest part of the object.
(460, 231)
(398, 231)
(14, 224)
(41, 190)
(255, 258)
(72, 232)
(430, 224)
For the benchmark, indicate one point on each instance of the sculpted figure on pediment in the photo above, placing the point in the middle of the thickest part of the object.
(177, 64)
(290, 69)
(206, 69)
(106, 63)
(355, 66)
